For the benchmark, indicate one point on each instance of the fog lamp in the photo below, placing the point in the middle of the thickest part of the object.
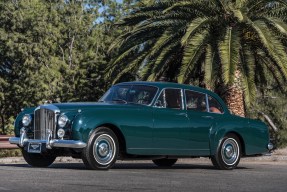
(61, 133)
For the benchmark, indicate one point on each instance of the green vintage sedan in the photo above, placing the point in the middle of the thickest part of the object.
(140, 120)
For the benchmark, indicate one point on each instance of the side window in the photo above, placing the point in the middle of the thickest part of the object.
(142, 94)
(195, 101)
(214, 106)
(170, 98)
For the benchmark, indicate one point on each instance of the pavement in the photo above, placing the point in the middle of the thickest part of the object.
(278, 156)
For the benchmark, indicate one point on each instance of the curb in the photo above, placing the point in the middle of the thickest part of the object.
(265, 159)
(4, 142)
(20, 160)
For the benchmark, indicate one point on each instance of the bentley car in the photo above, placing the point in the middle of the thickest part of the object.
(140, 120)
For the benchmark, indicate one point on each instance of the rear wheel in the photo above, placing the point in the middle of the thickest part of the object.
(228, 153)
(102, 149)
(164, 162)
(38, 160)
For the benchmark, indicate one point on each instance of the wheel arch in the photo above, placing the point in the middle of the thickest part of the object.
(118, 133)
(220, 134)
(241, 140)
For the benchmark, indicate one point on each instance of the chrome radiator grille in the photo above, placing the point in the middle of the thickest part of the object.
(44, 119)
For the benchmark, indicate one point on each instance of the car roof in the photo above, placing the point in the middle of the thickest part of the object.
(167, 85)
(162, 85)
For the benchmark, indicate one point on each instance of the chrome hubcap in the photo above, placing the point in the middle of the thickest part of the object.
(230, 151)
(104, 149)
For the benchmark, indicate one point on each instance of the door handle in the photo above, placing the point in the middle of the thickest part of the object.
(208, 117)
(183, 114)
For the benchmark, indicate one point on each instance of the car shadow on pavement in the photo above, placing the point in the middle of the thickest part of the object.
(174, 167)
(123, 166)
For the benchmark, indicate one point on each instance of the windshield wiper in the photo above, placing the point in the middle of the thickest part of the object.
(120, 100)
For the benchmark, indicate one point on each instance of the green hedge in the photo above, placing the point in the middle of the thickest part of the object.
(10, 153)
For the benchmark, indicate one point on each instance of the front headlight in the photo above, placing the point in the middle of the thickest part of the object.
(26, 120)
(62, 121)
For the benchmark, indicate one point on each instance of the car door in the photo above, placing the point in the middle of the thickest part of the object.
(171, 134)
(202, 118)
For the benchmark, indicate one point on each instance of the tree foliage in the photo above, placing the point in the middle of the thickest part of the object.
(53, 50)
(206, 42)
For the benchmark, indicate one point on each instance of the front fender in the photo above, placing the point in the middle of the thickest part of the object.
(18, 121)
(86, 122)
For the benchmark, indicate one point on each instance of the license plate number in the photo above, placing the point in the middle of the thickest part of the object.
(34, 148)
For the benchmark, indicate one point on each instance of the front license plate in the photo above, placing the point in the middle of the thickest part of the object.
(34, 147)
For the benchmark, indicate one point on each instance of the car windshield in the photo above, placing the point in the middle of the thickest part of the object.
(139, 94)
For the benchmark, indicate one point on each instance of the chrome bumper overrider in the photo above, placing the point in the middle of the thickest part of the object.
(270, 146)
(50, 143)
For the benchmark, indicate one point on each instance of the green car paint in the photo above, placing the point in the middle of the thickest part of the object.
(152, 130)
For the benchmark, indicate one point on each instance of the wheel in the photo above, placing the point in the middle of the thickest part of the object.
(85, 160)
(228, 153)
(102, 149)
(38, 160)
(164, 162)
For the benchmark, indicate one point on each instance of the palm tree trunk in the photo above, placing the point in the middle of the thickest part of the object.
(234, 100)
(234, 96)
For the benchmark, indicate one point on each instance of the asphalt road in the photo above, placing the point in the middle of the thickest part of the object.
(144, 176)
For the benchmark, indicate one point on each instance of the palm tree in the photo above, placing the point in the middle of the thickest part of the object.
(228, 46)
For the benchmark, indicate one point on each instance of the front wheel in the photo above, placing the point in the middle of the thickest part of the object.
(102, 149)
(38, 160)
(164, 162)
(228, 153)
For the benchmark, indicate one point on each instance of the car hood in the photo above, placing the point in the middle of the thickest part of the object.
(91, 105)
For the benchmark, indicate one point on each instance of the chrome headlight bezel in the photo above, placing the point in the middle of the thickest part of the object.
(62, 121)
(26, 120)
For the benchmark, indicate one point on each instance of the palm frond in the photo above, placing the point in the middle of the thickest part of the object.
(193, 27)
(277, 76)
(222, 6)
(127, 41)
(167, 38)
(278, 12)
(132, 66)
(229, 54)
(261, 5)
(161, 62)
(191, 53)
(144, 13)
(280, 25)
(209, 67)
(274, 47)
(247, 68)
(202, 7)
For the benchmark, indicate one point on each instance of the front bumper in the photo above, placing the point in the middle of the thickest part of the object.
(49, 144)
(22, 141)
